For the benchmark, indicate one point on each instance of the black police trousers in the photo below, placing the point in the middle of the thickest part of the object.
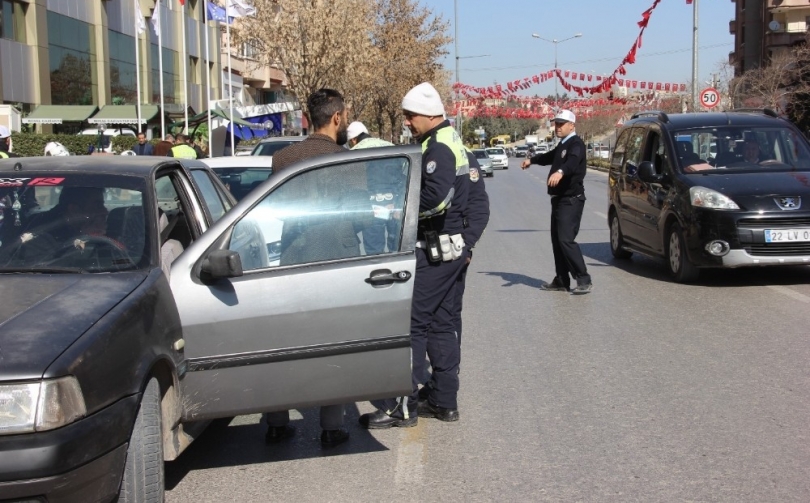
(566, 215)
(433, 331)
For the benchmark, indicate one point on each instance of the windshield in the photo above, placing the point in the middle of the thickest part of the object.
(240, 181)
(741, 149)
(480, 154)
(495, 151)
(72, 223)
(270, 147)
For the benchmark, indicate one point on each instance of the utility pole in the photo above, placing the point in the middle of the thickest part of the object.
(695, 55)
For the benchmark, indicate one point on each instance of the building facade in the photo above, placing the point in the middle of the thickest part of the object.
(762, 28)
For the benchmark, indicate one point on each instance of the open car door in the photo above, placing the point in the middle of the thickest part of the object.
(301, 294)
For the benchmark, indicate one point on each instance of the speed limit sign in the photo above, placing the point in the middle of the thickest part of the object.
(709, 97)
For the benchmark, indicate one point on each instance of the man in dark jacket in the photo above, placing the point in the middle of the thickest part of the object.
(306, 241)
(567, 190)
(143, 147)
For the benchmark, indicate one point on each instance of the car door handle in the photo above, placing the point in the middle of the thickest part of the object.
(386, 276)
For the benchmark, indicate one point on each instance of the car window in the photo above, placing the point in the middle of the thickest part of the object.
(210, 196)
(617, 160)
(632, 155)
(495, 151)
(240, 181)
(480, 154)
(73, 223)
(334, 212)
(740, 148)
(655, 151)
(270, 147)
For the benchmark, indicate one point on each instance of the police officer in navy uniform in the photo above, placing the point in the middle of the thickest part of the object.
(475, 221)
(567, 191)
(440, 258)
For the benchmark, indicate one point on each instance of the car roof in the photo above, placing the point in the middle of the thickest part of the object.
(272, 139)
(705, 120)
(140, 165)
(240, 161)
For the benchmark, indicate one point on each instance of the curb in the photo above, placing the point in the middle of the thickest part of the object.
(597, 168)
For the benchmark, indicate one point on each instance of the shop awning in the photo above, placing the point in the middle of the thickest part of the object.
(57, 114)
(124, 114)
(215, 113)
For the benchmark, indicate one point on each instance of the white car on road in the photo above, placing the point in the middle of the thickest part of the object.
(499, 157)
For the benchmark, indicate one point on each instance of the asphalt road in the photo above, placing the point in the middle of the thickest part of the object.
(643, 390)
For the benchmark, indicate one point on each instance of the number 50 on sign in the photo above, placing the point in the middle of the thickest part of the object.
(709, 97)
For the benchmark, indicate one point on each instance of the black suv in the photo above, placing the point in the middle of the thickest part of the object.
(710, 190)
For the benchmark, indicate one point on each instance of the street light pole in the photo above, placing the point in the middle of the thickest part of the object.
(556, 43)
(459, 115)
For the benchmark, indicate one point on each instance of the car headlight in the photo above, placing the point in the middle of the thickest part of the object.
(40, 406)
(708, 198)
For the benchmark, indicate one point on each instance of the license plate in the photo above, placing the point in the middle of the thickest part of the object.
(786, 235)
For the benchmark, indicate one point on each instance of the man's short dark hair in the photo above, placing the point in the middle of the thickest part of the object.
(322, 105)
(181, 138)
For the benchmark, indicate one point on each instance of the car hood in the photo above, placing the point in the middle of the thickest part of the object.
(758, 191)
(41, 315)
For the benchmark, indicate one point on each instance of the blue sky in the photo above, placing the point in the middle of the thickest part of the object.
(503, 30)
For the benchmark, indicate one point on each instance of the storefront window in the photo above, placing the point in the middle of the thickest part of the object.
(123, 85)
(71, 56)
(12, 20)
(171, 75)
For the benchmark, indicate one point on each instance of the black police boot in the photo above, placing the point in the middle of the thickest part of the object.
(379, 420)
(276, 434)
(331, 438)
(426, 409)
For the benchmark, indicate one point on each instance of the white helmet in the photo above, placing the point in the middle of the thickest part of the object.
(128, 152)
(55, 148)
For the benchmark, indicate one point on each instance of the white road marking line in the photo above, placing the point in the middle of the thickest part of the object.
(599, 214)
(411, 456)
(790, 293)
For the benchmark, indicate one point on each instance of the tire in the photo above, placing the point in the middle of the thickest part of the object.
(681, 269)
(616, 239)
(143, 473)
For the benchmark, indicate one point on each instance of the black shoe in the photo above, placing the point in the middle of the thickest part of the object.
(426, 409)
(276, 434)
(555, 286)
(379, 420)
(331, 438)
(424, 391)
(582, 289)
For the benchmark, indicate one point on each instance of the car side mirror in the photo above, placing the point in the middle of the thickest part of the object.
(646, 173)
(221, 264)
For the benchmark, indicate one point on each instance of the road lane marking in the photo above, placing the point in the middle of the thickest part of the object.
(411, 456)
(599, 214)
(790, 293)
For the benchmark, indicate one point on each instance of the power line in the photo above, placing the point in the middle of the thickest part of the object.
(638, 56)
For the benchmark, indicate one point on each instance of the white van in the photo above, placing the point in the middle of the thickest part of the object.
(106, 137)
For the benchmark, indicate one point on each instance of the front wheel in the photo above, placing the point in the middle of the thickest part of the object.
(681, 269)
(143, 472)
(617, 240)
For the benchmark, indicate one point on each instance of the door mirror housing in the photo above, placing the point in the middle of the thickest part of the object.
(221, 264)
(646, 173)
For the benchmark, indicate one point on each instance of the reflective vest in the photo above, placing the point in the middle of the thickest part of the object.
(3, 155)
(183, 152)
(449, 137)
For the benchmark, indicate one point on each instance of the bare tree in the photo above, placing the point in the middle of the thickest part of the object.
(408, 42)
(316, 43)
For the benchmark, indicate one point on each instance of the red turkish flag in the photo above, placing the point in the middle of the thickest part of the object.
(683, 87)
(182, 2)
(644, 85)
(567, 73)
(657, 86)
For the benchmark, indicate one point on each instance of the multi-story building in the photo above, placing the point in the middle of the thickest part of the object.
(762, 28)
(78, 57)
